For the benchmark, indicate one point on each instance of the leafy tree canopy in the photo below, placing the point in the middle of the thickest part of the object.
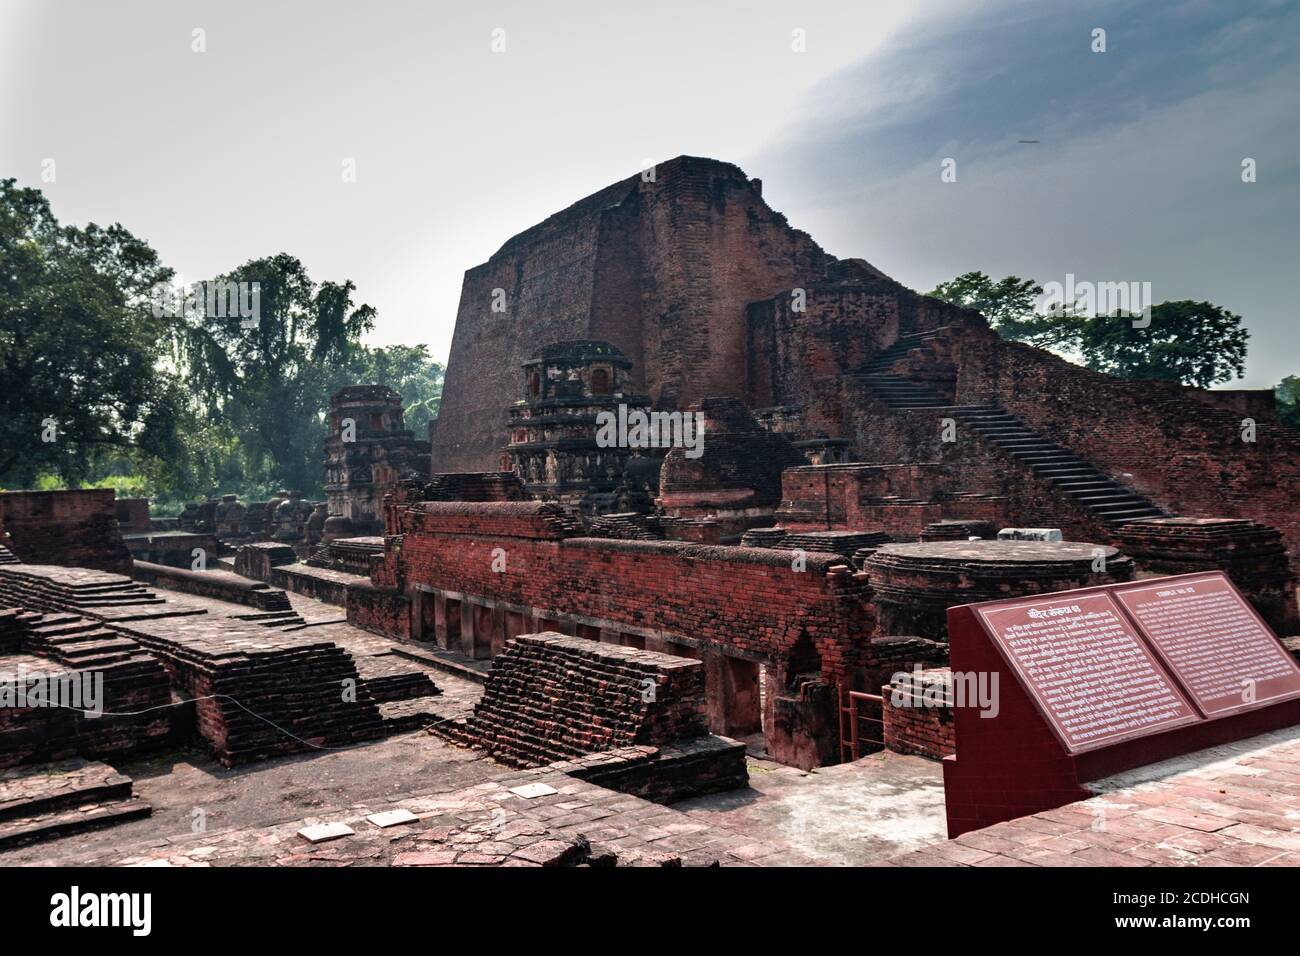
(1196, 343)
(1288, 401)
(83, 376)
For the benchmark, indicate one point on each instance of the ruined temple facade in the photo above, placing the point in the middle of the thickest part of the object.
(712, 294)
(660, 268)
(557, 447)
(367, 451)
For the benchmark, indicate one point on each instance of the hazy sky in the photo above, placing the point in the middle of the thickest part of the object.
(236, 152)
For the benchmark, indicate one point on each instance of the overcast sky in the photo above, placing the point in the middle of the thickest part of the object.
(221, 156)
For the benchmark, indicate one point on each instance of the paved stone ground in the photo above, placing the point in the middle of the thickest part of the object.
(191, 789)
(846, 815)
(22, 786)
(1237, 805)
(482, 824)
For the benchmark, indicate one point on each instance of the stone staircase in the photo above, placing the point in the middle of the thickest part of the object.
(51, 800)
(894, 390)
(1095, 492)
(1101, 496)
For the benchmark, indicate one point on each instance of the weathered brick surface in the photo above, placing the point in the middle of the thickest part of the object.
(745, 599)
(69, 528)
(913, 585)
(1237, 808)
(552, 697)
(662, 270)
(257, 691)
(917, 710)
(361, 470)
(135, 691)
(1174, 445)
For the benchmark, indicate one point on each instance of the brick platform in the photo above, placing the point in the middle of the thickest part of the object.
(1231, 806)
(260, 689)
(570, 823)
(135, 700)
(39, 803)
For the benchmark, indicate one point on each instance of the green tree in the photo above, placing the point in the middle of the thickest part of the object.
(268, 385)
(1008, 304)
(82, 355)
(416, 376)
(1288, 401)
(1196, 343)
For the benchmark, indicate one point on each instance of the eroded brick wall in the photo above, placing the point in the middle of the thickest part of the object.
(662, 270)
(745, 599)
(800, 358)
(917, 710)
(1181, 452)
(69, 528)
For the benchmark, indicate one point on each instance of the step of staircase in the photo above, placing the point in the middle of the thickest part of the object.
(1093, 490)
(75, 820)
(49, 800)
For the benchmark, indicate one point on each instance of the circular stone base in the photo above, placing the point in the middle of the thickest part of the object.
(915, 584)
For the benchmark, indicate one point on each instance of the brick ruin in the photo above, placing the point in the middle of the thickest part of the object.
(367, 452)
(864, 448)
(857, 436)
(58, 527)
(552, 699)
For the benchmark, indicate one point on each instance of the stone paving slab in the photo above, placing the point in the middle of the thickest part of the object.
(486, 825)
(1237, 805)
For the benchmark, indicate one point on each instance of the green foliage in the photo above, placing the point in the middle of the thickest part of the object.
(263, 392)
(416, 376)
(269, 384)
(1196, 343)
(82, 358)
(173, 407)
(1007, 304)
(1288, 401)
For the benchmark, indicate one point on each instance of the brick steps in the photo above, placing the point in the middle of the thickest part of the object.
(50, 800)
(551, 697)
(75, 820)
(1098, 494)
(135, 696)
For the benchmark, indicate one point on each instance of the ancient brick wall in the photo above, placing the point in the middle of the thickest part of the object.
(69, 528)
(1180, 452)
(662, 270)
(746, 600)
(918, 714)
(799, 358)
(133, 515)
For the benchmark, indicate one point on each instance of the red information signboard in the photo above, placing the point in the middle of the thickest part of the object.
(1086, 668)
(1214, 641)
(1100, 680)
